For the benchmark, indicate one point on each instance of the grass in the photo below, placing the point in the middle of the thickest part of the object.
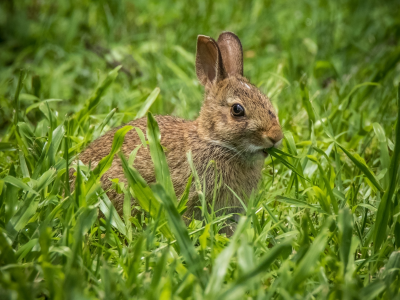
(325, 221)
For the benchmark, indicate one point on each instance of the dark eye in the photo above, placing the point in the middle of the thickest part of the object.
(237, 110)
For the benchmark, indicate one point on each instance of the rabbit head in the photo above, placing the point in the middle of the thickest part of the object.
(235, 113)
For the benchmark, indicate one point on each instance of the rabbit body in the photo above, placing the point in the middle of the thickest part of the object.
(179, 136)
(237, 123)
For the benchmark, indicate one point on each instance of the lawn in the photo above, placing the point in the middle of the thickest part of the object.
(325, 220)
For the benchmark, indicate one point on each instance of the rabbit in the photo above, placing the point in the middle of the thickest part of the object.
(236, 126)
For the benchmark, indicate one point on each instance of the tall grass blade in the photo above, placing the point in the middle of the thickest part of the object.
(223, 260)
(106, 162)
(158, 157)
(21, 79)
(273, 153)
(382, 216)
(178, 227)
(360, 164)
(298, 203)
(144, 195)
(148, 103)
(345, 234)
(94, 100)
(307, 265)
(260, 268)
(18, 183)
(383, 147)
(108, 209)
(332, 197)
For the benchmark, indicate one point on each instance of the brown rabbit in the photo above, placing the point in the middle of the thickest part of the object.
(236, 126)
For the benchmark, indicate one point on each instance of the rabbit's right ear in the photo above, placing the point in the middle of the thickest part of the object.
(231, 53)
(209, 67)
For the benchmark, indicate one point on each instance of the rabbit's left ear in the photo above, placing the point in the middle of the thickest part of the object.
(209, 68)
(231, 52)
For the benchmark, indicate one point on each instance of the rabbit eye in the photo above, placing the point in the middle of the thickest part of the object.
(237, 110)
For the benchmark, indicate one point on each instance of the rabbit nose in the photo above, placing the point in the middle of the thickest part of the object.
(275, 136)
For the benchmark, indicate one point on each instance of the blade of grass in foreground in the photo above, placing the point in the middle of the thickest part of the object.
(273, 152)
(108, 209)
(37, 104)
(298, 203)
(274, 218)
(199, 190)
(107, 119)
(106, 162)
(194, 263)
(262, 267)
(306, 266)
(16, 96)
(382, 216)
(223, 260)
(18, 183)
(359, 162)
(326, 181)
(7, 147)
(147, 103)
(384, 152)
(7, 256)
(144, 195)
(29, 205)
(322, 199)
(345, 225)
(305, 97)
(158, 157)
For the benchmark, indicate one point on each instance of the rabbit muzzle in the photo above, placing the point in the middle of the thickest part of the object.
(271, 144)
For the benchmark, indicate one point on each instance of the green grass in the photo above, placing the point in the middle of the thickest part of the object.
(325, 221)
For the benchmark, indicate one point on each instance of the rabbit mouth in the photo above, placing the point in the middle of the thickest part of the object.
(265, 152)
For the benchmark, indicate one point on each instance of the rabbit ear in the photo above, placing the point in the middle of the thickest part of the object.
(231, 52)
(208, 61)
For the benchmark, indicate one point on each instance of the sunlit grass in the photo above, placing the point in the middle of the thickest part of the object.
(325, 221)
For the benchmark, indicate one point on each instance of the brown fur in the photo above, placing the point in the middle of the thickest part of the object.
(235, 143)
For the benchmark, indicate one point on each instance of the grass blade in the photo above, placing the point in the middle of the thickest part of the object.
(158, 157)
(148, 103)
(179, 229)
(223, 260)
(108, 209)
(18, 183)
(360, 164)
(94, 100)
(298, 203)
(307, 265)
(327, 183)
(382, 216)
(383, 147)
(106, 162)
(345, 234)
(144, 195)
(273, 153)
(7, 147)
(264, 264)
(21, 79)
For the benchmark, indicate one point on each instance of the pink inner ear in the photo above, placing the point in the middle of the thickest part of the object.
(210, 61)
(211, 74)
